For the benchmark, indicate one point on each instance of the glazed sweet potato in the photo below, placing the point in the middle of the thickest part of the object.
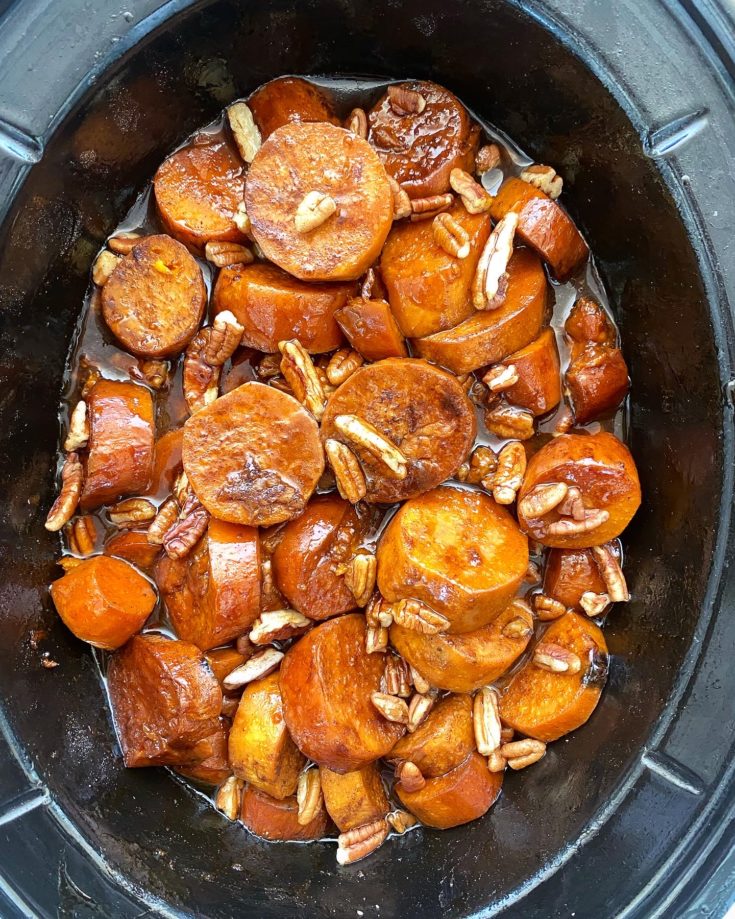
(601, 467)
(278, 819)
(587, 323)
(444, 740)
(429, 289)
(103, 601)
(288, 99)
(260, 749)
(463, 663)
(120, 449)
(273, 306)
(569, 573)
(371, 329)
(354, 798)
(327, 679)
(546, 705)
(457, 551)
(223, 661)
(165, 700)
(133, 546)
(215, 768)
(488, 336)
(539, 382)
(464, 794)
(166, 464)
(597, 380)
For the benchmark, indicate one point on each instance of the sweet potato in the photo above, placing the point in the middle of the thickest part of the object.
(166, 464)
(371, 329)
(444, 740)
(223, 661)
(278, 819)
(215, 768)
(133, 546)
(569, 573)
(587, 323)
(354, 798)
(597, 380)
(539, 381)
(288, 99)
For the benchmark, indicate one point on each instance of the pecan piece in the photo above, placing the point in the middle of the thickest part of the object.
(396, 681)
(298, 369)
(314, 209)
(522, 753)
(612, 574)
(418, 617)
(556, 659)
(78, 433)
(547, 608)
(364, 436)
(409, 776)
(427, 208)
(360, 842)
(508, 421)
(405, 101)
(593, 518)
(483, 463)
(474, 197)
(450, 236)
(124, 243)
(131, 512)
(418, 710)
(65, 505)
(572, 505)
(501, 377)
(278, 625)
(168, 514)
(594, 604)
(518, 627)
(564, 422)
(200, 379)
(401, 202)
(488, 157)
(360, 576)
(496, 762)
(486, 720)
(180, 539)
(222, 254)
(309, 796)
(357, 123)
(153, 373)
(348, 475)
(228, 797)
(401, 821)
(420, 683)
(223, 340)
(104, 265)
(508, 477)
(244, 130)
(376, 639)
(260, 664)
(81, 534)
(242, 221)
(269, 366)
(543, 178)
(542, 499)
(342, 364)
(490, 280)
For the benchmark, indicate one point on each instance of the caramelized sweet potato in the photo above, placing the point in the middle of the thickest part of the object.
(462, 663)
(308, 563)
(602, 468)
(464, 794)
(539, 384)
(288, 99)
(103, 601)
(327, 679)
(165, 701)
(457, 551)
(588, 323)
(354, 798)
(166, 463)
(133, 546)
(429, 289)
(597, 380)
(569, 573)
(120, 449)
(542, 224)
(261, 750)
(215, 768)
(371, 329)
(273, 819)
(444, 740)
(223, 661)
(546, 705)
(273, 306)
(488, 336)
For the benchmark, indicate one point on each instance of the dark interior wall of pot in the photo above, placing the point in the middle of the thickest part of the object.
(518, 76)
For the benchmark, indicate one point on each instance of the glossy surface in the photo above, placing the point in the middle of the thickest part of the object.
(371, 329)
(443, 741)
(539, 380)
(278, 819)
(354, 798)
(288, 99)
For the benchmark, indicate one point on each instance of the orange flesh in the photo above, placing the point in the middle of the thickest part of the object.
(371, 329)
(539, 385)
(354, 798)
(443, 741)
(278, 819)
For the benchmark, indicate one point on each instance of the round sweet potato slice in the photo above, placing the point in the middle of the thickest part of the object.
(464, 794)
(165, 701)
(215, 768)
(420, 149)
(133, 546)
(422, 409)
(288, 99)
(278, 819)
(155, 298)
(539, 376)
(299, 159)
(253, 456)
(455, 550)
(546, 705)
(354, 798)
(198, 190)
(371, 329)
(310, 559)
(601, 467)
(463, 663)
(569, 573)
(490, 335)
(273, 306)
(327, 679)
(443, 741)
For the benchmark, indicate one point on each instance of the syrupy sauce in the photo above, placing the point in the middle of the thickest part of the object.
(94, 345)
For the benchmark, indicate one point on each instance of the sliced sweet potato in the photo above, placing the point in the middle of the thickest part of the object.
(354, 798)
(569, 573)
(310, 559)
(546, 705)
(103, 601)
(488, 336)
(463, 663)
(278, 819)
(165, 701)
(223, 661)
(215, 768)
(260, 749)
(166, 463)
(464, 794)
(133, 546)
(444, 740)
(588, 323)
(327, 679)
(120, 449)
(457, 551)
(601, 467)
(253, 456)
(288, 99)
(429, 289)
(298, 159)
(198, 189)
(423, 410)
(371, 329)
(273, 307)
(597, 380)
(542, 224)
(539, 376)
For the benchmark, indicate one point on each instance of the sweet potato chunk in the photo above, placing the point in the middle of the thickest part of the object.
(354, 798)
(488, 336)
(120, 449)
(462, 663)
(298, 159)
(542, 224)
(371, 329)
(223, 661)
(288, 99)
(198, 189)
(423, 410)
(103, 601)
(420, 149)
(429, 289)
(457, 551)
(444, 740)
(213, 594)
(464, 794)
(602, 468)
(587, 323)
(569, 573)
(166, 463)
(539, 383)
(547, 705)
(165, 701)
(155, 298)
(597, 379)
(253, 456)
(215, 768)
(273, 819)
(273, 307)
(261, 750)
(309, 561)
(133, 546)
(327, 679)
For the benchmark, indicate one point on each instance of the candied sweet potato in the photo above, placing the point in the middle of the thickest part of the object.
(443, 741)
(539, 382)
(354, 798)
(588, 323)
(288, 99)
(166, 463)
(223, 661)
(371, 329)
(569, 573)
(133, 546)
(272, 818)
(597, 380)
(215, 768)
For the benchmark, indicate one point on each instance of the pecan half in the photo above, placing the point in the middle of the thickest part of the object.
(556, 659)
(518, 627)
(420, 683)
(401, 821)
(242, 221)
(450, 236)
(593, 518)
(65, 505)
(260, 664)
(509, 421)
(357, 123)
(223, 254)
(168, 514)
(405, 101)
(348, 474)
(379, 612)
(131, 512)
(594, 604)
(390, 707)
(342, 364)
(315, 208)
(474, 197)
(572, 505)
(483, 462)
(362, 841)
(418, 710)
(418, 617)
(360, 576)
(364, 436)
(547, 608)
(542, 499)
(244, 130)
(228, 797)
(488, 157)
(486, 720)
(298, 369)
(522, 753)
(200, 379)
(269, 366)
(544, 178)
(104, 265)
(612, 574)
(78, 433)
(278, 625)
(496, 762)
(490, 277)
(124, 243)
(396, 680)
(564, 422)
(376, 639)
(153, 373)
(401, 201)
(427, 208)
(224, 339)
(501, 377)
(309, 796)
(81, 534)
(409, 776)
(508, 477)
(180, 539)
